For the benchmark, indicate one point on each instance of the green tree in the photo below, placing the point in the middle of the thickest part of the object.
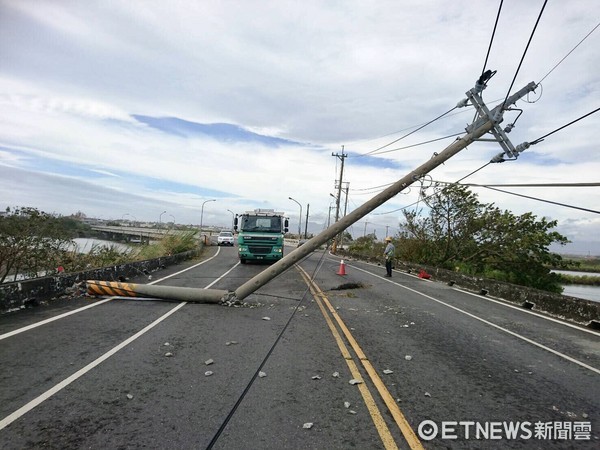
(31, 242)
(459, 231)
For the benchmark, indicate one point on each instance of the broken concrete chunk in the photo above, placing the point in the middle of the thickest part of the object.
(388, 371)
(266, 318)
(129, 396)
(316, 377)
(262, 374)
(208, 373)
(208, 362)
(354, 381)
(335, 374)
(408, 357)
(307, 425)
(346, 404)
(168, 354)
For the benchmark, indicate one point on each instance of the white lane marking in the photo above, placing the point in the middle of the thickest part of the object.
(502, 303)
(518, 336)
(83, 308)
(50, 392)
(58, 387)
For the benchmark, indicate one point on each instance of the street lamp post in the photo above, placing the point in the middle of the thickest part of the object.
(202, 213)
(232, 218)
(160, 219)
(299, 218)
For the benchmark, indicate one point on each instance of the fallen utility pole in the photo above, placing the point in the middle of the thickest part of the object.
(486, 122)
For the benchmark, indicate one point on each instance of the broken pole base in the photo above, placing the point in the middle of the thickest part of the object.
(183, 294)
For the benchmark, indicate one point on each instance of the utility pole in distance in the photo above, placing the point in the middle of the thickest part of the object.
(341, 157)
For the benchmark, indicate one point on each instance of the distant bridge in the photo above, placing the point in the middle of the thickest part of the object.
(136, 234)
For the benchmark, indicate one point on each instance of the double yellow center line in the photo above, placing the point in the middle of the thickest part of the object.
(328, 312)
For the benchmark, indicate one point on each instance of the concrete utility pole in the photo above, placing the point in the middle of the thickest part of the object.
(306, 223)
(485, 123)
(342, 157)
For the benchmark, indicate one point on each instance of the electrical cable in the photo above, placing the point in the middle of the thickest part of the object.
(492, 38)
(494, 188)
(425, 198)
(540, 139)
(416, 145)
(543, 200)
(572, 50)
(408, 134)
(224, 424)
(525, 52)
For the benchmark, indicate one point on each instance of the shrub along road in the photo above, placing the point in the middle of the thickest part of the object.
(276, 371)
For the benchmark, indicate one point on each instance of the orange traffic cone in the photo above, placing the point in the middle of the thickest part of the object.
(342, 269)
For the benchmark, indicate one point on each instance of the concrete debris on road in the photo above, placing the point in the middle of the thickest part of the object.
(408, 357)
(307, 425)
(427, 394)
(335, 374)
(129, 396)
(346, 404)
(266, 318)
(208, 362)
(208, 373)
(388, 371)
(316, 377)
(231, 342)
(354, 381)
(262, 374)
(168, 354)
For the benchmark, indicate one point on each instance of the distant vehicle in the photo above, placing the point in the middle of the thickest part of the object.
(261, 235)
(225, 238)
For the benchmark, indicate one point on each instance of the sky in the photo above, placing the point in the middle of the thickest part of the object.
(147, 110)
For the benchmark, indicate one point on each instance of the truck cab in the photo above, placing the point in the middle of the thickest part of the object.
(260, 236)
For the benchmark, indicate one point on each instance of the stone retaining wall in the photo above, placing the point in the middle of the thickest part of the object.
(581, 311)
(19, 294)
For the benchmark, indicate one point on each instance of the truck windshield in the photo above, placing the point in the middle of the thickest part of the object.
(260, 223)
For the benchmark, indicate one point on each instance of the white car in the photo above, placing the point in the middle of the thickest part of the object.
(225, 238)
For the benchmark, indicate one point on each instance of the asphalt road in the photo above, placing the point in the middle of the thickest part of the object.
(437, 367)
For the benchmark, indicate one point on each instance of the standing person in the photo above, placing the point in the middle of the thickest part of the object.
(388, 253)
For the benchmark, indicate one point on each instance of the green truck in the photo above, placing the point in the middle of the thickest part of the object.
(260, 236)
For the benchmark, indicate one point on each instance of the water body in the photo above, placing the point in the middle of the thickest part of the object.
(581, 290)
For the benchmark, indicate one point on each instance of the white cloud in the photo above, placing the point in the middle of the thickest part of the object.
(324, 74)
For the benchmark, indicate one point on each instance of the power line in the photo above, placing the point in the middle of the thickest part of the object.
(543, 200)
(408, 134)
(596, 184)
(572, 50)
(415, 145)
(540, 139)
(492, 38)
(526, 48)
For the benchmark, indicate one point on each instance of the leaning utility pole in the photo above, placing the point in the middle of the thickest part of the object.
(486, 122)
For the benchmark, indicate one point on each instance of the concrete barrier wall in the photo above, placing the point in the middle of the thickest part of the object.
(573, 309)
(19, 294)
